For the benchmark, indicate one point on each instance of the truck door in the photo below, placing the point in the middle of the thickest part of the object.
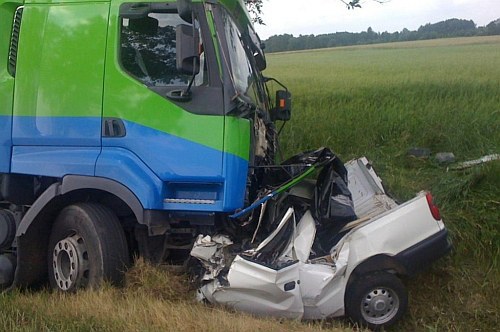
(180, 141)
(59, 88)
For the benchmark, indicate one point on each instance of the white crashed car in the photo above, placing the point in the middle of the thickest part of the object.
(359, 277)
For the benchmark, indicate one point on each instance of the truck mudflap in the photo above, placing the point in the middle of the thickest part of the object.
(423, 254)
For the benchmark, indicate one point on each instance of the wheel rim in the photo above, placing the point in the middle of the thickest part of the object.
(380, 305)
(70, 262)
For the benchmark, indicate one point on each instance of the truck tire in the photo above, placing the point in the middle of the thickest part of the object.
(376, 300)
(87, 245)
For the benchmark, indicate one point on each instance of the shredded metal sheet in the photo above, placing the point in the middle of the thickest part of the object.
(209, 251)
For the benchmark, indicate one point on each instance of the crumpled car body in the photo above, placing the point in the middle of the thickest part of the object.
(295, 289)
(297, 283)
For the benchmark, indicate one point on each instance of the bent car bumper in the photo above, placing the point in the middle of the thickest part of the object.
(424, 253)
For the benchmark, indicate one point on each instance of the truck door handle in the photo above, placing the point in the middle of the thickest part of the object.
(113, 127)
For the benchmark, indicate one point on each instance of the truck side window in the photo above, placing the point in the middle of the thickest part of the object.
(148, 50)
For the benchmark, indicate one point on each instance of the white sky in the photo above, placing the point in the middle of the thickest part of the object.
(304, 17)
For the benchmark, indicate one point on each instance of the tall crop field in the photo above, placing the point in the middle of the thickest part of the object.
(377, 101)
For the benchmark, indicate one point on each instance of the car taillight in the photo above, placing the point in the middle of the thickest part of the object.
(434, 209)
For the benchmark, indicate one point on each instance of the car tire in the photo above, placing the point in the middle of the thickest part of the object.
(87, 246)
(376, 300)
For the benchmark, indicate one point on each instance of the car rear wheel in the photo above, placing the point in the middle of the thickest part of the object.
(87, 245)
(376, 300)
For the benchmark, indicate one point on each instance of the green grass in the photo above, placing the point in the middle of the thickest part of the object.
(376, 101)
(381, 100)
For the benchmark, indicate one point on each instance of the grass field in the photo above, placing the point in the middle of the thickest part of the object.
(377, 101)
(381, 100)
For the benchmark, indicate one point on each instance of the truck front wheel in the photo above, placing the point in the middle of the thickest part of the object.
(87, 246)
(376, 300)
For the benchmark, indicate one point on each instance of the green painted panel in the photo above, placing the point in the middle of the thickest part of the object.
(237, 137)
(62, 1)
(61, 60)
(89, 1)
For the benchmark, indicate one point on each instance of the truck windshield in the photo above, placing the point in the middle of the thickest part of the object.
(244, 75)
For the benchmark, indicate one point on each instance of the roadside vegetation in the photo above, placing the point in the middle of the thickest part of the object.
(376, 101)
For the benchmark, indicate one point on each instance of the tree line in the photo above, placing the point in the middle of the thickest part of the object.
(444, 29)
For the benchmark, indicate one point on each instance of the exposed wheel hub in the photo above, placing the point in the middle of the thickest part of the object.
(380, 305)
(70, 262)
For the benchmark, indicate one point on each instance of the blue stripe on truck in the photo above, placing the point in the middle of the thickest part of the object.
(152, 164)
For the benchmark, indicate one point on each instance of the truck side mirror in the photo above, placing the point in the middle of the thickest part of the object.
(283, 106)
(187, 43)
(260, 60)
(258, 51)
(144, 25)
